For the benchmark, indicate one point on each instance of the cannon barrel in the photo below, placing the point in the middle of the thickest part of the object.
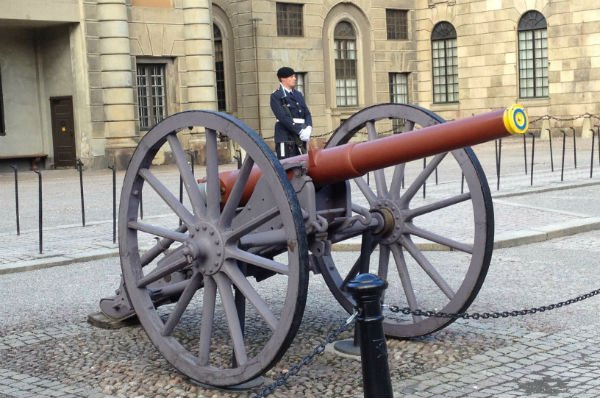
(354, 159)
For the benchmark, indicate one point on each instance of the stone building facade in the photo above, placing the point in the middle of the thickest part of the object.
(488, 54)
(86, 78)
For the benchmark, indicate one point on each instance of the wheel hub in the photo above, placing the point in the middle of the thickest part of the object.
(393, 220)
(206, 249)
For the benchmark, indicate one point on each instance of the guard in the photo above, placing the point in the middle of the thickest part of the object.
(294, 122)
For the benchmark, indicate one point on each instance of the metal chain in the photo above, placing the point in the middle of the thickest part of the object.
(495, 314)
(565, 119)
(306, 360)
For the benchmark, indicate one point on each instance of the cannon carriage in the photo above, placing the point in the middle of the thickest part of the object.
(222, 290)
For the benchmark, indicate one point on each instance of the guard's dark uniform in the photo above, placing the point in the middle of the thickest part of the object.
(292, 116)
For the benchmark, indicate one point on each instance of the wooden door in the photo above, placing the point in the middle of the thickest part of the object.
(63, 131)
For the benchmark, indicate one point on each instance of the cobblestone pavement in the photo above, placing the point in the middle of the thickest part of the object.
(523, 213)
(47, 349)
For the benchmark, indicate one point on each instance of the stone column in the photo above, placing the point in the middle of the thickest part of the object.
(117, 81)
(200, 77)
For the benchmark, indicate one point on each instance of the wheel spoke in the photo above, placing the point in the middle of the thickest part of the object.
(175, 261)
(208, 316)
(158, 231)
(168, 197)
(379, 173)
(239, 280)
(235, 329)
(213, 184)
(409, 291)
(182, 304)
(427, 267)
(160, 247)
(433, 237)
(189, 181)
(384, 260)
(253, 224)
(397, 178)
(236, 193)
(365, 189)
(258, 261)
(419, 211)
(421, 178)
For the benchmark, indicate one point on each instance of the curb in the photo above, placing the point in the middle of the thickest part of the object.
(502, 241)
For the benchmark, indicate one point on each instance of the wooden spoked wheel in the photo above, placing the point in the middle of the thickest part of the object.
(222, 326)
(408, 254)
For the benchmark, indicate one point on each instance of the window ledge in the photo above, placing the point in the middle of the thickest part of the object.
(535, 101)
(445, 106)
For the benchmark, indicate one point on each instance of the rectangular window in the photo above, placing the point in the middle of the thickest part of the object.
(398, 95)
(289, 19)
(301, 82)
(399, 88)
(346, 84)
(152, 97)
(397, 24)
(445, 71)
(533, 63)
(2, 126)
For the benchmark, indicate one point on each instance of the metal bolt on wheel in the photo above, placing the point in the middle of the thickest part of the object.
(198, 291)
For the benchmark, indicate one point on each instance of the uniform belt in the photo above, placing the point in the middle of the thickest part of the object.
(297, 120)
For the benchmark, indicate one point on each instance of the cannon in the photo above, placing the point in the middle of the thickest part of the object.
(220, 285)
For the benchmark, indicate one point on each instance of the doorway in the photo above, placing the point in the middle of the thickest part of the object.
(63, 131)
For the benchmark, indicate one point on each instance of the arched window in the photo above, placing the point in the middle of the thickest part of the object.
(220, 69)
(533, 55)
(346, 86)
(445, 63)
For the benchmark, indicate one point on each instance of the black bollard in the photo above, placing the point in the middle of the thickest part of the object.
(498, 143)
(532, 155)
(17, 196)
(367, 290)
(114, 201)
(551, 155)
(40, 211)
(562, 167)
(424, 182)
(574, 146)
(80, 169)
(592, 153)
(525, 152)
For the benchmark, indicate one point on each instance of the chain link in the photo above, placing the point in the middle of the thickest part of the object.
(493, 315)
(306, 360)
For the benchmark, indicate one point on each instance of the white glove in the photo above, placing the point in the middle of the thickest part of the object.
(305, 133)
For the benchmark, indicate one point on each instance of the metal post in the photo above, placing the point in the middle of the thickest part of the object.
(592, 153)
(574, 147)
(80, 169)
(114, 201)
(436, 176)
(551, 155)
(424, 182)
(366, 290)
(498, 143)
(462, 183)
(562, 168)
(16, 171)
(532, 155)
(40, 211)
(525, 152)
